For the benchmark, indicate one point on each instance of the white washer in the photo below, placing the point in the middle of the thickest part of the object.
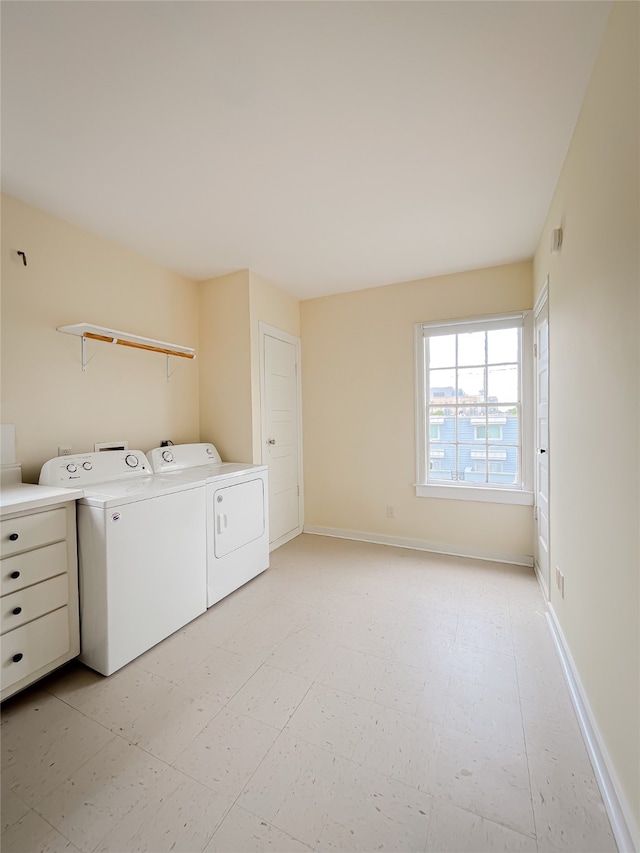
(237, 512)
(142, 553)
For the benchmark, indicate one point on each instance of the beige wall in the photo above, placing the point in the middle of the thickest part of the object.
(232, 307)
(594, 284)
(225, 366)
(73, 276)
(359, 412)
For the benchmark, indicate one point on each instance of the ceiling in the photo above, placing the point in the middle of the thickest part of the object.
(328, 146)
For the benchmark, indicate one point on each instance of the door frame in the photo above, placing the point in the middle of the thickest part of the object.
(266, 330)
(541, 302)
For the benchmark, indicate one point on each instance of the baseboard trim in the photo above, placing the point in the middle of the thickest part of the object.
(286, 538)
(622, 820)
(420, 545)
(541, 581)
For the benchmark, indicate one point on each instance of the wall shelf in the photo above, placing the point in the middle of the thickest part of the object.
(113, 336)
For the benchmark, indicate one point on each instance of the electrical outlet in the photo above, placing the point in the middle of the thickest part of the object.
(391, 511)
(64, 451)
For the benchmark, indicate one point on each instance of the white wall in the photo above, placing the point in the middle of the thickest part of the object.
(73, 276)
(594, 285)
(359, 412)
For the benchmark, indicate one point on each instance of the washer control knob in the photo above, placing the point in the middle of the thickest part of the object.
(209, 451)
(87, 466)
(71, 468)
(167, 455)
(131, 460)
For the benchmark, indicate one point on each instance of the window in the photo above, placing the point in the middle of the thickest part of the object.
(492, 431)
(470, 411)
(481, 466)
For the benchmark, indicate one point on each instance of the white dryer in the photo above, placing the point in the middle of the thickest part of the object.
(237, 499)
(142, 553)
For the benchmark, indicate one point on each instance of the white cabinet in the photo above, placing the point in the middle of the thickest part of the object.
(39, 586)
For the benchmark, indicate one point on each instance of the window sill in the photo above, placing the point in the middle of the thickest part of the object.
(519, 497)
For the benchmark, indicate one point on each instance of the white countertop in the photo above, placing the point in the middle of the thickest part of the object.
(17, 497)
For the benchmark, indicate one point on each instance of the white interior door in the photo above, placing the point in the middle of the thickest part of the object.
(542, 442)
(281, 432)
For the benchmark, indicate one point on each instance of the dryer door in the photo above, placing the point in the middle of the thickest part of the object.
(239, 516)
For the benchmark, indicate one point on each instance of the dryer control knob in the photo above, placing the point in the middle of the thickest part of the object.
(87, 466)
(131, 460)
(71, 468)
(167, 455)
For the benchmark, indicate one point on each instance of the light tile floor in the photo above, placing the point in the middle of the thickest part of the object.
(354, 697)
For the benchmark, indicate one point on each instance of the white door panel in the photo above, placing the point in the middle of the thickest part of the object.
(281, 432)
(542, 443)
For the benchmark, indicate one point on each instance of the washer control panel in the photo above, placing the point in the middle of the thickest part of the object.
(84, 468)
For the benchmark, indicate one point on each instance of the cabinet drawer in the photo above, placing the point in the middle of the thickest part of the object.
(32, 567)
(27, 604)
(32, 531)
(34, 645)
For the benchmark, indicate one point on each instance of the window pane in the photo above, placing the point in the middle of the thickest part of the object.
(468, 427)
(502, 345)
(511, 428)
(442, 351)
(441, 427)
(442, 386)
(471, 385)
(503, 464)
(471, 349)
(466, 466)
(442, 462)
(503, 384)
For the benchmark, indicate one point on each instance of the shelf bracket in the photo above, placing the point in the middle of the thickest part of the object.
(169, 371)
(85, 360)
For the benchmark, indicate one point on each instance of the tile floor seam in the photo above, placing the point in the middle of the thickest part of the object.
(291, 714)
(269, 823)
(29, 808)
(101, 840)
(210, 838)
(118, 733)
(75, 770)
(55, 828)
(491, 820)
(168, 763)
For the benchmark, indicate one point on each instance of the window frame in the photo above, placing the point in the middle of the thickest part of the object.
(459, 489)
